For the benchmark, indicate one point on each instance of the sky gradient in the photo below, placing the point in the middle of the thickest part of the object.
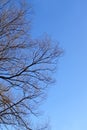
(66, 22)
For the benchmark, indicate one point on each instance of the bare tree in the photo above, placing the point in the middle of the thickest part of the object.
(26, 66)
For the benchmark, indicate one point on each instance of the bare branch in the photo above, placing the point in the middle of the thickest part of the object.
(26, 66)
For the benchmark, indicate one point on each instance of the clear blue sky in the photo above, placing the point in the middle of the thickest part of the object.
(66, 22)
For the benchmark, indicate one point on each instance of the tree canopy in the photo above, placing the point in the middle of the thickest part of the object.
(26, 66)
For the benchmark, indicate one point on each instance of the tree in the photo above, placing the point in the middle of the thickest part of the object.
(26, 66)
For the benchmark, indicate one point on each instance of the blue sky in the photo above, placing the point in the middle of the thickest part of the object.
(66, 22)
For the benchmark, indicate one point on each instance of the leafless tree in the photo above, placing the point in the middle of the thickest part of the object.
(26, 66)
